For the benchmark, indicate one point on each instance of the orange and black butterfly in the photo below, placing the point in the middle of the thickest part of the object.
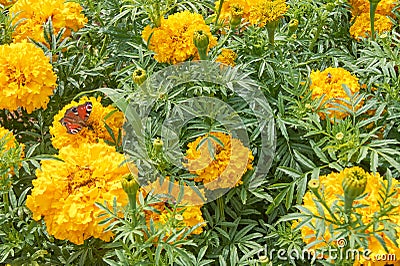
(75, 117)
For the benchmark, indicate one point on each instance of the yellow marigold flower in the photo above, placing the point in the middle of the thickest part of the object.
(33, 14)
(265, 11)
(362, 26)
(328, 83)
(173, 40)
(230, 7)
(65, 192)
(331, 187)
(362, 6)
(225, 168)
(227, 57)
(26, 77)
(95, 129)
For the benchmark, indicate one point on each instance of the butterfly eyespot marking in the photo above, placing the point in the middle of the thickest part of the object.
(74, 110)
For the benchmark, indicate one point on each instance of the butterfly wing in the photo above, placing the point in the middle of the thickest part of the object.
(75, 117)
(84, 110)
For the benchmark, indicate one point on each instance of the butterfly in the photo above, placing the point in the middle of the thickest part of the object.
(75, 117)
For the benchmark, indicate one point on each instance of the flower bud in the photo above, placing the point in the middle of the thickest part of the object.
(313, 184)
(201, 41)
(354, 183)
(293, 25)
(236, 15)
(339, 136)
(129, 184)
(139, 76)
(158, 145)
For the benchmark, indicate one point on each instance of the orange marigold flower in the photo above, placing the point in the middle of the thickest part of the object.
(65, 192)
(95, 128)
(329, 84)
(26, 77)
(362, 25)
(8, 142)
(173, 40)
(221, 168)
(227, 57)
(33, 14)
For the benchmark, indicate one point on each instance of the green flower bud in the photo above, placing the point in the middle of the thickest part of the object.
(354, 183)
(157, 145)
(339, 136)
(293, 25)
(139, 76)
(236, 15)
(313, 184)
(330, 7)
(129, 184)
(201, 41)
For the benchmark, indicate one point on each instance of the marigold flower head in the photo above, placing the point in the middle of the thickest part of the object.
(95, 129)
(227, 57)
(33, 15)
(26, 77)
(221, 168)
(65, 192)
(329, 83)
(173, 40)
(331, 187)
(265, 11)
(362, 25)
(385, 7)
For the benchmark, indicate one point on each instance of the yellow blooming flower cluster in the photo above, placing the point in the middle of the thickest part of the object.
(222, 168)
(361, 18)
(65, 191)
(330, 187)
(227, 57)
(31, 16)
(26, 77)
(173, 40)
(265, 11)
(188, 214)
(95, 129)
(329, 83)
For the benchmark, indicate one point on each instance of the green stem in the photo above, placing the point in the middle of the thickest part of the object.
(221, 2)
(203, 54)
(271, 27)
(373, 4)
